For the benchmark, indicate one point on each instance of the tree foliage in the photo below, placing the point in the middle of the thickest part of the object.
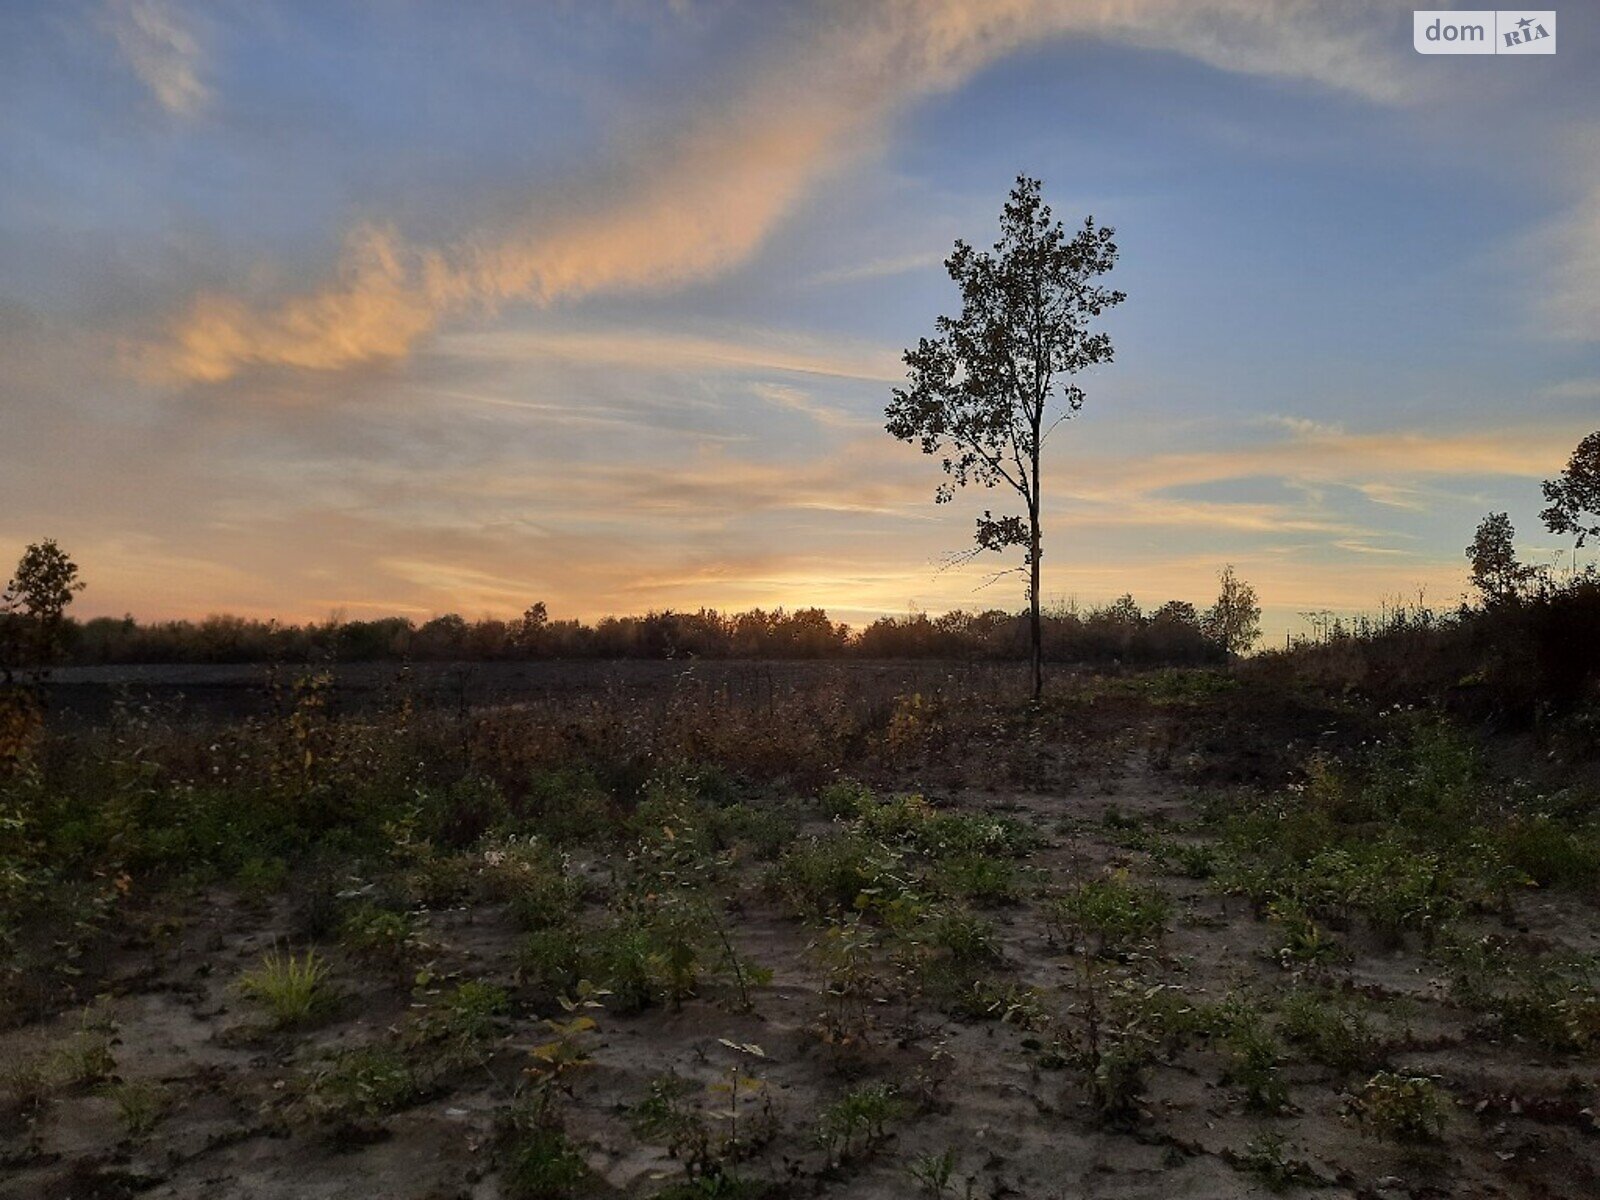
(33, 610)
(1574, 495)
(1234, 621)
(33, 607)
(1496, 573)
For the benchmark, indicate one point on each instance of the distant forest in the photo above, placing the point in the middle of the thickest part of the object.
(1174, 633)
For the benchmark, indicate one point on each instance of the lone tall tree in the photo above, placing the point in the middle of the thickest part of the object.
(988, 388)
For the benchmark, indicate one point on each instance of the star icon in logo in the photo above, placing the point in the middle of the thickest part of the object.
(1524, 23)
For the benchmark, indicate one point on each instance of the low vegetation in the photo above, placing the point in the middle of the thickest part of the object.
(807, 939)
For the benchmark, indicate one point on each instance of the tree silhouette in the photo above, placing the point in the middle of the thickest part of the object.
(1495, 569)
(989, 387)
(33, 608)
(1234, 621)
(1574, 495)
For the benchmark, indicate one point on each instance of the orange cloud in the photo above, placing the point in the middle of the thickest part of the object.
(692, 205)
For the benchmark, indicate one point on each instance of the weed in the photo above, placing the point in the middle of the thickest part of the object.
(1334, 1035)
(858, 1121)
(933, 1173)
(1402, 1108)
(86, 1056)
(292, 988)
(367, 1081)
(28, 1085)
(723, 1186)
(570, 806)
(1115, 1044)
(846, 950)
(383, 937)
(1255, 1065)
(1009, 1003)
(540, 1162)
(550, 960)
(259, 879)
(829, 876)
(140, 1106)
(1268, 1159)
(1193, 860)
(1117, 914)
(1407, 1108)
(981, 879)
(532, 877)
(765, 831)
(1305, 943)
(461, 1021)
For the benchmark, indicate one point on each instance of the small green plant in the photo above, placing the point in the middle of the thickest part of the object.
(1406, 1108)
(847, 952)
(86, 1056)
(844, 872)
(27, 1085)
(539, 1162)
(1116, 914)
(259, 879)
(1267, 1157)
(367, 1081)
(460, 1022)
(383, 937)
(140, 1104)
(1196, 860)
(859, 1120)
(707, 1136)
(933, 1173)
(1305, 943)
(292, 988)
(1256, 1065)
(1335, 1035)
(533, 879)
(567, 1050)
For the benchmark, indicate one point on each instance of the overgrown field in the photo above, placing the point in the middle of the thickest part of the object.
(1189, 934)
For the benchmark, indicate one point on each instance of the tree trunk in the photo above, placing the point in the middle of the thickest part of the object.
(1035, 552)
(1036, 624)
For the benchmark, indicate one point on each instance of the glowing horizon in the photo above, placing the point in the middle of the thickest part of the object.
(602, 309)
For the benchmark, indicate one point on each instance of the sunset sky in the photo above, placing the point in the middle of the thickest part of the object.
(398, 307)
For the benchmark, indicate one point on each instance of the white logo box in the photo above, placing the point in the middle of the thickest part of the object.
(1484, 31)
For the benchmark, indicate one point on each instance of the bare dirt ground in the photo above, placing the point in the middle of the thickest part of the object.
(1002, 1099)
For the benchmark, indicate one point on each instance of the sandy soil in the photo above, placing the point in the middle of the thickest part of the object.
(1016, 1118)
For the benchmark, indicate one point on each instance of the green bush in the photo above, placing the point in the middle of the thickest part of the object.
(1116, 914)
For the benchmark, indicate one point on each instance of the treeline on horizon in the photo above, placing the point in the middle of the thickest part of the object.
(1176, 633)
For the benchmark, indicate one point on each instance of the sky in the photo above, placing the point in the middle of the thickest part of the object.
(396, 307)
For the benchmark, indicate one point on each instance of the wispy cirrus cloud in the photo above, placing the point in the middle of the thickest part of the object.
(655, 350)
(1567, 303)
(159, 42)
(701, 199)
